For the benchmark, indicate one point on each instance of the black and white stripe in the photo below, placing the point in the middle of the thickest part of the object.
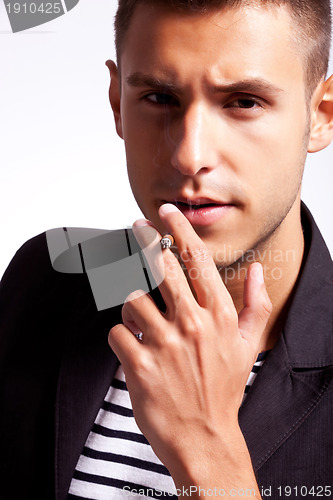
(117, 455)
(254, 372)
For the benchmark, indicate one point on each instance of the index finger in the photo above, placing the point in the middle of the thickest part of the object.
(197, 258)
(164, 266)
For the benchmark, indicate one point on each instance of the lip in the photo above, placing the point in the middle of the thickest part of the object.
(202, 211)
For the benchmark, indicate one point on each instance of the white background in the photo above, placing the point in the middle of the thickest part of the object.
(61, 162)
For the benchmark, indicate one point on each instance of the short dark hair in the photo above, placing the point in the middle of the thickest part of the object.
(312, 17)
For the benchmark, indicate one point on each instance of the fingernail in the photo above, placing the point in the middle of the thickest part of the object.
(167, 208)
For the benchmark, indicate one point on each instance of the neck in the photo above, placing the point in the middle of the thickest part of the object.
(281, 258)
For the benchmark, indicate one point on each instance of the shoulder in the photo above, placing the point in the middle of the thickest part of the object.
(42, 309)
(31, 256)
(35, 300)
(30, 276)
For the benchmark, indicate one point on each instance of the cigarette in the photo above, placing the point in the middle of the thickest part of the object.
(167, 241)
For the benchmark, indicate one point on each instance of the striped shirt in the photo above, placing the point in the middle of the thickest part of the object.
(117, 459)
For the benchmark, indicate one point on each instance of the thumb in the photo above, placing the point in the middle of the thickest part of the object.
(253, 318)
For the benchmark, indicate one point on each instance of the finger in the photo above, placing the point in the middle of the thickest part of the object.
(140, 314)
(165, 267)
(123, 343)
(253, 318)
(149, 240)
(202, 272)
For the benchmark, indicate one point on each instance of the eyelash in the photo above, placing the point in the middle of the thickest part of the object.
(146, 97)
(243, 97)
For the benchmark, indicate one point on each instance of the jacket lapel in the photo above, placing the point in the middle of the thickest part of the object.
(87, 370)
(278, 403)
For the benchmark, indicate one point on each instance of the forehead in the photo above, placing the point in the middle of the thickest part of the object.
(228, 44)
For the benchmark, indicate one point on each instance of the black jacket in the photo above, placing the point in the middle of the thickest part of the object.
(56, 367)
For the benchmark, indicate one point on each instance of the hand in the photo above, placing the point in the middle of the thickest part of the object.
(186, 378)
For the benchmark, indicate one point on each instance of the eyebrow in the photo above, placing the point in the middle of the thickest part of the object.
(139, 79)
(250, 85)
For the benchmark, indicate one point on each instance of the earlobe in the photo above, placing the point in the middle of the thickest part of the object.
(114, 96)
(322, 117)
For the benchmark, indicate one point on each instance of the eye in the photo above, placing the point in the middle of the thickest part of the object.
(161, 99)
(244, 102)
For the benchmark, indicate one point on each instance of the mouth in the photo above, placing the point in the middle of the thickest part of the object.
(203, 211)
(195, 205)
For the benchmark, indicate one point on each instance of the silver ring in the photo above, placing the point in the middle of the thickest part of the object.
(139, 335)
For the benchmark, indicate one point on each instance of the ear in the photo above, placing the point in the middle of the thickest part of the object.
(321, 117)
(114, 95)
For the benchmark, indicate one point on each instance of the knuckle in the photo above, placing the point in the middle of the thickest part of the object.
(264, 311)
(169, 341)
(115, 329)
(140, 365)
(196, 254)
(267, 306)
(113, 333)
(133, 296)
(182, 225)
(142, 368)
(171, 265)
(192, 325)
(228, 315)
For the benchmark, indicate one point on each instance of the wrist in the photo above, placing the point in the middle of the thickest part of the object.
(219, 461)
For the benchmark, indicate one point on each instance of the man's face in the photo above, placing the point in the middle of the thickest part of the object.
(214, 118)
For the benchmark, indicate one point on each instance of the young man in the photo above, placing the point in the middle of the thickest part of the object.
(218, 103)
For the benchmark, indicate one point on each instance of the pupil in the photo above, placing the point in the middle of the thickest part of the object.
(163, 98)
(246, 103)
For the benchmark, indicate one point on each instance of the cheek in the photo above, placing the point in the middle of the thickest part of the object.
(144, 151)
(138, 125)
(149, 137)
(272, 153)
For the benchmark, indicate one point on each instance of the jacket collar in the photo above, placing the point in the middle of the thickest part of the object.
(308, 329)
(298, 370)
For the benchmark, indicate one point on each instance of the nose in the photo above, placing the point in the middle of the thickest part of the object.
(195, 147)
